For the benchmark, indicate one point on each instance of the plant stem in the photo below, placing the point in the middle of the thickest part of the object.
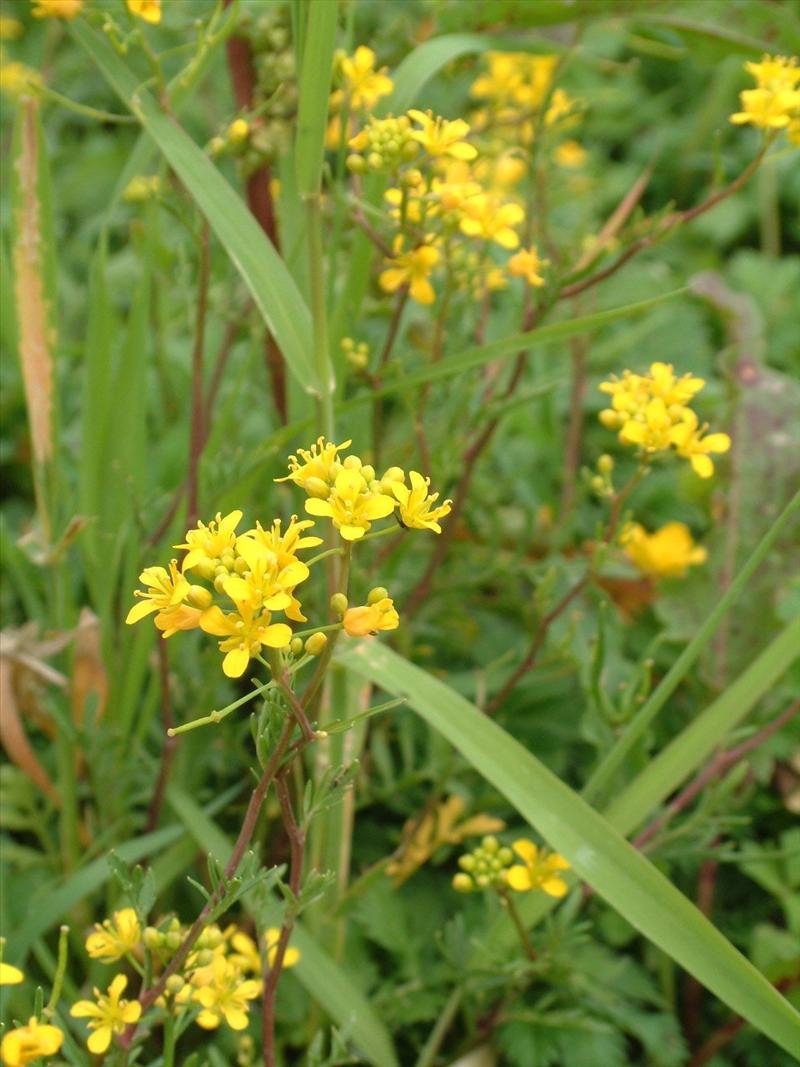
(61, 969)
(169, 1041)
(427, 1056)
(322, 362)
(522, 933)
(197, 432)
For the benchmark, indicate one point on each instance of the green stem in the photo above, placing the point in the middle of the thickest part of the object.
(169, 1041)
(218, 716)
(322, 361)
(613, 761)
(519, 926)
(439, 1032)
(61, 970)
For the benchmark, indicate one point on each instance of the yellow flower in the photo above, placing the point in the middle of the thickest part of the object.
(363, 84)
(775, 103)
(271, 938)
(370, 618)
(225, 997)
(10, 975)
(56, 9)
(516, 78)
(539, 870)
(286, 545)
(528, 264)
(351, 507)
(316, 468)
(167, 591)
(110, 1015)
(265, 583)
(570, 154)
(147, 10)
(488, 217)
(208, 544)
(238, 131)
(29, 1043)
(411, 269)
(690, 443)
(442, 138)
(16, 79)
(245, 633)
(666, 553)
(116, 937)
(416, 505)
(10, 29)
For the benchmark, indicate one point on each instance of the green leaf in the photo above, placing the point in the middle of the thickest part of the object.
(597, 852)
(251, 251)
(427, 59)
(315, 91)
(696, 743)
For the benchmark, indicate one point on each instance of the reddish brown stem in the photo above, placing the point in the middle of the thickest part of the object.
(259, 200)
(272, 974)
(728, 1032)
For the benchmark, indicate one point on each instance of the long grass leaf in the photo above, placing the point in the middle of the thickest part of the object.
(598, 853)
(254, 256)
(315, 90)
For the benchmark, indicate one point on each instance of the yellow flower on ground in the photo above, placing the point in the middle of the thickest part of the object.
(362, 83)
(115, 938)
(666, 553)
(416, 505)
(775, 103)
(570, 154)
(370, 618)
(490, 218)
(528, 264)
(352, 506)
(245, 633)
(539, 870)
(147, 10)
(694, 444)
(290, 957)
(209, 544)
(28, 1043)
(10, 975)
(439, 137)
(412, 269)
(316, 468)
(56, 9)
(108, 1014)
(16, 79)
(225, 997)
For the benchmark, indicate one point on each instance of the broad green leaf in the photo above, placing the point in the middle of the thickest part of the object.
(614, 760)
(315, 91)
(419, 66)
(598, 852)
(328, 983)
(254, 256)
(692, 747)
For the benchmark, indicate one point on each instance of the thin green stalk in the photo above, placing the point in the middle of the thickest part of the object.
(61, 970)
(427, 1056)
(604, 774)
(170, 1037)
(322, 361)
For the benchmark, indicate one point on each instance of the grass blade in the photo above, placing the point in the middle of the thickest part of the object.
(315, 90)
(254, 256)
(598, 852)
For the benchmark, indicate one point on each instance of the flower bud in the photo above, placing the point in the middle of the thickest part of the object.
(462, 883)
(172, 940)
(352, 463)
(374, 161)
(339, 603)
(199, 597)
(394, 474)
(175, 984)
(316, 643)
(356, 164)
(506, 856)
(296, 646)
(376, 594)
(316, 487)
(241, 565)
(598, 484)
(612, 420)
(368, 472)
(467, 862)
(490, 843)
(206, 568)
(605, 464)
(219, 581)
(152, 938)
(238, 131)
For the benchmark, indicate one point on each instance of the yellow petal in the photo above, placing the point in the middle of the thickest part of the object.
(237, 588)
(139, 610)
(351, 533)
(236, 1018)
(212, 621)
(526, 850)
(519, 878)
(315, 506)
(702, 466)
(235, 663)
(131, 1012)
(378, 507)
(99, 1040)
(555, 887)
(277, 636)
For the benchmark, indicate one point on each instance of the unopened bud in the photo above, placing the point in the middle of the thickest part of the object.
(316, 643)
(352, 463)
(339, 603)
(238, 131)
(296, 646)
(462, 883)
(605, 464)
(175, 983)
(598, 484)
(490, 843)
(368, 472)
(467, 862)
(199, 597)
(394, 474)
(612, 420)
(376, 594)
(356, 164)
(152, 938)
(317, 487)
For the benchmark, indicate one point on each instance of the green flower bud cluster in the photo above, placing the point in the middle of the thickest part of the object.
(164, 942)
(142, 188)
(601, 483)
(383, 145)
(275, 94)
(483, 868)
(357, 355)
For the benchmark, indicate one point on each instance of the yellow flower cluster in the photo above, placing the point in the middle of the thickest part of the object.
(361, 87)
(348, 492)
(444, 825)
(56, 9)
(651, 411)
(491, 866)
(775, 102)
(147, 10)
(666, 553)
